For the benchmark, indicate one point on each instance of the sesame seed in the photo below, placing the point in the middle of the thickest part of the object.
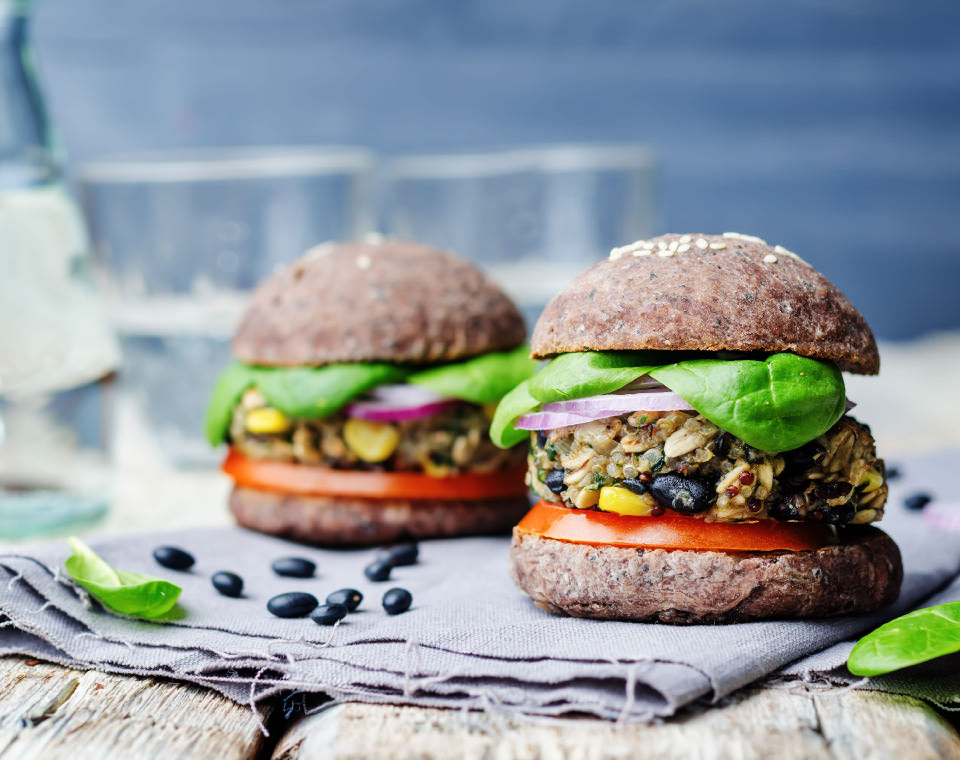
(702, 244)
(769, 259)
(785, 252)
(735, 235)
(666, 254)
(648, 246)
(683, 248)
(661, 245)
(616, 253)
(363, 262)
(741, 236)
(718, 246)
(686, 239)
(674, 245)
(642, 253)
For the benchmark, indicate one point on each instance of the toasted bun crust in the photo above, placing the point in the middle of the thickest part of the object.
(730, 292)
(376, 300)
(329, 521)
(861, 573)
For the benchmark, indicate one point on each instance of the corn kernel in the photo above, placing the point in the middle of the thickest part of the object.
(266, 420)
(625, 502)
(871, 481)
(371, 441)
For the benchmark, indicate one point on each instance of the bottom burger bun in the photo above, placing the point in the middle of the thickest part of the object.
(351, 521)
(862, 572)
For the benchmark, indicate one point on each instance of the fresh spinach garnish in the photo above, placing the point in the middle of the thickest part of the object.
(513, 406)
(483, 379)
(777, 404)
(913, 638)
(132, 594)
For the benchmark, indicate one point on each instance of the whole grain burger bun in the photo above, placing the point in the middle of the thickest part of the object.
(352, 521)
(861, 573)
(727, 292)
(377, 300)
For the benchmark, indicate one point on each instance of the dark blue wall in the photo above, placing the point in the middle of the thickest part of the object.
(830, 126)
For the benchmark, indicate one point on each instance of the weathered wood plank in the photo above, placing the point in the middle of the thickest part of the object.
(762, 723)
(54, 712)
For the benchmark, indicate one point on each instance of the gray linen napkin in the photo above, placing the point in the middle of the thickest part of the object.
(470, 639)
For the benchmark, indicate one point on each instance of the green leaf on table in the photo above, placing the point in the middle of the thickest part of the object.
(774, 405)
(513, 406)
(913, 638)
(591, 373)
(231, 384)
(316, 392)
(483, 379)
(133, 594)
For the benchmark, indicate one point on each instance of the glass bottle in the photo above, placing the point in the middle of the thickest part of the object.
(56, 345)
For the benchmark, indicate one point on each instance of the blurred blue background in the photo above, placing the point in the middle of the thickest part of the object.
(831, 127)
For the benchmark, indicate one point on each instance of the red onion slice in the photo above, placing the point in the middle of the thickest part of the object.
(549, 420)
(610, 404)
(396, 403)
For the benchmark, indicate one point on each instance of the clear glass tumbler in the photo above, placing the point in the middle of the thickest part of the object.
(183, 238)
(532, 217)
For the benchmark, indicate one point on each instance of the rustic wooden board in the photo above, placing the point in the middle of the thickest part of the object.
(54, 712)
(762, 724)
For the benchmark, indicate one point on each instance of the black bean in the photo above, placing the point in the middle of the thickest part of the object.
(378, 570)
(173, 557)
(554, 480)
(401, 554)
(293, 604)
(328, 614)
(541, 439)
(397, 600)
(635, 485)
(832, 491)
(839, 515)
(228, 584)
(799, 461)
(688, 496)
(348, 597)
(917, 501)
(891, 472)
(294, 567)
(721, 444)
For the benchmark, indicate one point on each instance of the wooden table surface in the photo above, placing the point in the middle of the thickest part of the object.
(49, 711)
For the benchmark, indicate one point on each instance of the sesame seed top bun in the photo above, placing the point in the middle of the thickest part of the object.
(727, 292)
(376, 300)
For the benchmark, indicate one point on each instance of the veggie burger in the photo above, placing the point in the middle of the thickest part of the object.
(690, 445)
(358, 408)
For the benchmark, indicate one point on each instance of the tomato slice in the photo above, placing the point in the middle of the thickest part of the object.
(269, 475)
(672, 531)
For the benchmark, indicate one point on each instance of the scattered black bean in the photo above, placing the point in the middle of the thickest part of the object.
(554, 480)
(688, 496)
(397, 600)
(838, 489)
(348, 597)
(401, 554)
(294, 567)
(228, 584)
(328, 614)
(635, 485)
(917, 501)
(173, 557)
(378, 570)
(293, 604)
(838, 515)
(541, 439)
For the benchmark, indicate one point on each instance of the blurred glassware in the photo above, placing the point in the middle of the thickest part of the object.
(56, 345)
(183, 237)
(532, 217)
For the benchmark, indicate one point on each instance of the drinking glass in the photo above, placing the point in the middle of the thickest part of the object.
(533, 218)
(183, 237)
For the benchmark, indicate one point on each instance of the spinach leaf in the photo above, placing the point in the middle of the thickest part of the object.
(774, 405)
(515, 404)
(481, 380)
(315, 392)
(231, 384)
(128, 593)
(590, 373)
(913, 638)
